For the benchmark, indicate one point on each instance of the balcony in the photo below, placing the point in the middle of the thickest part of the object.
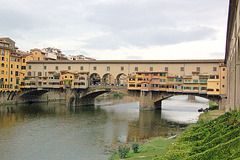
(203, 76)
(187, 76)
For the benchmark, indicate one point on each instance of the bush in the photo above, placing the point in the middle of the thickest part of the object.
(123, 151)
(215, 139)
(135, 147)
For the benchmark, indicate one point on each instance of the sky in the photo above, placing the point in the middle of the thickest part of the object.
(119, 29)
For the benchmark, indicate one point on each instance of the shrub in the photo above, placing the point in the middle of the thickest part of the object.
(123, 151)
(135, 147)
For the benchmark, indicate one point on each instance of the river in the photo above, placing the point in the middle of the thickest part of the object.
(54, 132)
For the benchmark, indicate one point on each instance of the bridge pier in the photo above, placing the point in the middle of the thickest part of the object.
(146, 101)
(191, 98)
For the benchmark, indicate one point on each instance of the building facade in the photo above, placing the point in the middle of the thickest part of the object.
(5, 58)
(174, 76)
(232, 56)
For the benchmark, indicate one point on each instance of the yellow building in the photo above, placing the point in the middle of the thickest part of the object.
(38, 55)
(5, 57)
(14, 72)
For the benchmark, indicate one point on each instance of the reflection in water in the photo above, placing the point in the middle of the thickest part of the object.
(53, 131)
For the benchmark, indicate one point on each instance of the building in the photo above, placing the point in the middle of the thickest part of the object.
(13, 65)
(188, 76)
(5, 58)
(232, 55)
(197, 82)
(79, 57)
(54, 54)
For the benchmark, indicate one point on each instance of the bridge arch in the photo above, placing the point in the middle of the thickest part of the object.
(108, 79)
(121, 79)
(95, 79)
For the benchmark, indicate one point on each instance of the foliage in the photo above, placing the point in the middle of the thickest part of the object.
(123, 151)
(215, 139)
(135, 147)
(117, 95)
(213, 105)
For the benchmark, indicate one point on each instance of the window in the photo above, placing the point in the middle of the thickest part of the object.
(11, 72)
(198, 69)
(11, 79)
(39, 74)
(2, 58)
(39, 58)
(23, 60)
(217, 76)
(146, 74)
(212, 77)
(29, 73)
(44, 67)
(29, 67)
(214, 68)
(17, 66)
(94, 68)
(151, 69)
(223, 77)
(223, 69)
(69, 67)
(23, 67)
(166, 69)
(195, 81)
(136, 68)
(108, 68)
(182, 69)
(223, 86)
(3, 52)
(81, 68)
(2, 65)
(122, 68)
(56, 67)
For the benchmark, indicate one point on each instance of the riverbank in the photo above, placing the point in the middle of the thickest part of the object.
(214, 139)
(149, 150)
(158, 147)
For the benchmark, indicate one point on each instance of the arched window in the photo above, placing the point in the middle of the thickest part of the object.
(2, 72)
(2, 65)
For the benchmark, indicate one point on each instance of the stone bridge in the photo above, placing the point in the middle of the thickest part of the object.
(148, 100)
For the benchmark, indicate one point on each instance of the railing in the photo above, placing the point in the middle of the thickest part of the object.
(107, 87)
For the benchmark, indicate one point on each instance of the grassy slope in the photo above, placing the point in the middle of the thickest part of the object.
(211, 139)
(154, 148)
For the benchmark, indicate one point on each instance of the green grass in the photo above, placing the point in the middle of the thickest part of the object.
(154, 148)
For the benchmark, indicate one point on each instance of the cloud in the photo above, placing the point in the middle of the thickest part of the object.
(112, 25)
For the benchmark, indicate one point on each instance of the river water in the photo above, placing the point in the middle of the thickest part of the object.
(54, 132)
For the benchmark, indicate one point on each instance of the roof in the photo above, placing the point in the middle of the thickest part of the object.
(128, 61)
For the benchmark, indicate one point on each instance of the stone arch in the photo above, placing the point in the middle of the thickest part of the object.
(95, 79)
(121, 79)
(108, 79)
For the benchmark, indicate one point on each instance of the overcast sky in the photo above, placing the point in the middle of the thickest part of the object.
(119, 29)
